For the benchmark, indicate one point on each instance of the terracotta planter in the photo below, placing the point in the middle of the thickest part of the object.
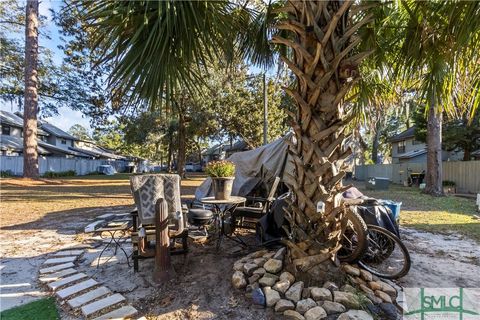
(222, 187)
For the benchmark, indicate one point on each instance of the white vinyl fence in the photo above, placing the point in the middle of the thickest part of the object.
(465, 174)
(58, 164)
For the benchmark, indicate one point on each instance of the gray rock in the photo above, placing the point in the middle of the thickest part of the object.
(333, 307)
(384, 296)
(257, 254)
(271, 296)
(259, 261)
(284, 304)
(315, 313)
(367, 276)
(330, 285)
(320, 294)
(238, 266)
(348, 288)
(294, 293)
(273, 265)
(348, 299)
(355, 315)
(388, 289)
(354, 271)
(282, 286)
(306, 293)
(268, 280)
(254, 278)
(280, 254)
(268, 255)
(238, 280)
(366, 289)
(287, 276)
(248, 268)
(293, 315)
(260, 271)
(305, 305)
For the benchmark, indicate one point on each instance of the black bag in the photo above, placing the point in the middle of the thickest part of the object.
(377, 214)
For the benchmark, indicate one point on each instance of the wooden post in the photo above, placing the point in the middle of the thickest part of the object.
(163, 268)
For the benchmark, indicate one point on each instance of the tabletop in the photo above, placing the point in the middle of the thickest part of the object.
(231, 200)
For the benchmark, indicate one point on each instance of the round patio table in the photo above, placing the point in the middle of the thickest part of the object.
(221, 207)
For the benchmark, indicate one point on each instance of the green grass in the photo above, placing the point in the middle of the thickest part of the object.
(44, 309)
(433, 214)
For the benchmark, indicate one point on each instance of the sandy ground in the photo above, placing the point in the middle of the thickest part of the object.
(202, 287)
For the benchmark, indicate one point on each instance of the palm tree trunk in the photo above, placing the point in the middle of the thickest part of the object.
(30, 153)
(433, 176)
(325, 71)
(376, 143)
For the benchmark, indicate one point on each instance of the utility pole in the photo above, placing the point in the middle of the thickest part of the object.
(265, 110)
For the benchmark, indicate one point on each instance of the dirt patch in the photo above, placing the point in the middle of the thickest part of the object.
(441, 261)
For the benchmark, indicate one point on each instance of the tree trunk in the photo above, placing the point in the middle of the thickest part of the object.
(433, 176)
(181, 145)
(325, 72)
(467, 154)
(169, 155)
(163, 267)
(375, 144)
(30, 153)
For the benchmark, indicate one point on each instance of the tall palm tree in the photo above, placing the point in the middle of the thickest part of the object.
(30, 154)
(436, 38)
(155, 43)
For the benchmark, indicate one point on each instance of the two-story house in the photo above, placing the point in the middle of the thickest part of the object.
(406, 149)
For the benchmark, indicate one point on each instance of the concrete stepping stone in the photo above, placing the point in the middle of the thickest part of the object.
(98, 305)
(57, 275)
(57, 268)
(121, 313)
(68, 253)
(60, 283)
(60, 260)
(87, 297)
(76, 288)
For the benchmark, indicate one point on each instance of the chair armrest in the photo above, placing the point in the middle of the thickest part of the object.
(134, 212)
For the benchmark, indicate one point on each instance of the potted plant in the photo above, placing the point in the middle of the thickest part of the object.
(448, 187)
(222, 173)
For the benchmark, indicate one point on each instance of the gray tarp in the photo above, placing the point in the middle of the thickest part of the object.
(252, 167)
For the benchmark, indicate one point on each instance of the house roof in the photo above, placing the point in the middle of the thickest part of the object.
(55, 149)
(98, 152)
(412, 154)
(237, 146)
(56, 131)
(409, 133)
(16, 144)
(14, 120)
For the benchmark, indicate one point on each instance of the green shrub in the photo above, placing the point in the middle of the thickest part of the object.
(52, 174)
(6, 174)
(448, 183)
(220, 169)
(93, 173)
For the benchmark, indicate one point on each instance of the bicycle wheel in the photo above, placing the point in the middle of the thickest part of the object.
(386, 256)
(354, 241)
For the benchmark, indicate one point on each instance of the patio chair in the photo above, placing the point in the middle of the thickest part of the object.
(246, 217)
(159, 217)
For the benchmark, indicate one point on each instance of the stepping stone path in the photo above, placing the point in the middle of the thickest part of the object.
(94, 300)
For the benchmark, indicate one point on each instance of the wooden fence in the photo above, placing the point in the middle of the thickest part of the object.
(465, 174)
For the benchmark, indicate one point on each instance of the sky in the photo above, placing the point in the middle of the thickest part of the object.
(66, 117)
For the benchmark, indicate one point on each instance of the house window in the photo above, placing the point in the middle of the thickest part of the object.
(401, 147)
(64, 141)
(6, 130)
